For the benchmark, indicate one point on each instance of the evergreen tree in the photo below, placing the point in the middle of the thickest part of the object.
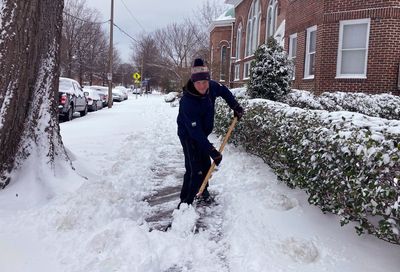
(270, 72)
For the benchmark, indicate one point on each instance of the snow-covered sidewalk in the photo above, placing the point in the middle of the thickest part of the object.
(127, 154)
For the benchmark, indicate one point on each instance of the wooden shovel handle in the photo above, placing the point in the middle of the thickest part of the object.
(221, 148)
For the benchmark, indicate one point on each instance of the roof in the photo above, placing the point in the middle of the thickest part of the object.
(233, 2)
(225, 19)
(228, 14)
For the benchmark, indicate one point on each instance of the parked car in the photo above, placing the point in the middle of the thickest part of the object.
(71, 99)
(118, 95)
(171, 96)
(103, 91)
(94, 101)
(103, 98)
(124, 91)
(137, 91)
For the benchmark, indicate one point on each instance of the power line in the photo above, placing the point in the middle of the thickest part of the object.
(83, 20)
(123, 31)
(130, 12)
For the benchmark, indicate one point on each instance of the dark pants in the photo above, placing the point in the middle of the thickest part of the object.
(197, 164)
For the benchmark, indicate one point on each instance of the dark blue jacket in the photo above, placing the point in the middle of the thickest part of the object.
(196, 112)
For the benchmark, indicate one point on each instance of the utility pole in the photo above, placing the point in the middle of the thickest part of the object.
(141, 74)
(110, 57)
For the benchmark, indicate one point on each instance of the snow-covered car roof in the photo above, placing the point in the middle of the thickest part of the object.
(91, 93)
(66, 85)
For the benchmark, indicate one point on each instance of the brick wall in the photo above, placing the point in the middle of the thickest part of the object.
(383, 53)
(382, 65)
(384, 40)
(219, 36)
(300, 16)
(346, 5)
(241, 13)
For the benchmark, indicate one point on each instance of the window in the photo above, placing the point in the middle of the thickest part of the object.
(353, 49)
(222, 76)
(237, 72)
(292, 51)
(272, 15)
(253, 27)
(246, 72)
(311, 46)
(238, 42)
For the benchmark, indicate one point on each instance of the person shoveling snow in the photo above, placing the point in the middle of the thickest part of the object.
(195, 123)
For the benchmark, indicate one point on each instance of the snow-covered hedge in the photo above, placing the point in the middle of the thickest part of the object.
(379, 105)
(347, 162)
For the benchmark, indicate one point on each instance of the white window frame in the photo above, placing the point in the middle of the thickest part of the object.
(238, 42)
(222, 67)
(246, 69)
(292, 55)
(308, 53)
(272, 18)
(237, 73)
(340, 49)
(253, 28)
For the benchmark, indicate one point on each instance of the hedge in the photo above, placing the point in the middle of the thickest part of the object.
(378, 105)
(347, 163)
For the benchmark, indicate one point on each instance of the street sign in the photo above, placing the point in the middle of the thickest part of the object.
(109, 76)
(136, 76)
(137, 81)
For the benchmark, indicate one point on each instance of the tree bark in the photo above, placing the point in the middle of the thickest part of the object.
(29, 61)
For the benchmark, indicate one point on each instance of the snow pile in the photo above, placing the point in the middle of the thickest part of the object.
(171, 96)
(184, 219)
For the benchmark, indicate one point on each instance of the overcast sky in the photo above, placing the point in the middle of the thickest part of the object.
(151, 15)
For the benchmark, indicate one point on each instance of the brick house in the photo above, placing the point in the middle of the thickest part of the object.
(336, 45)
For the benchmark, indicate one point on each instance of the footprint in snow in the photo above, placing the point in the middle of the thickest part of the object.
(282, 202)
(300, 251)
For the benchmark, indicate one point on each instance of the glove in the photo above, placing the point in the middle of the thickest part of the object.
(216, 156)
(238, 111)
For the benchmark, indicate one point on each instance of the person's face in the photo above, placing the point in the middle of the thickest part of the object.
(201, 86)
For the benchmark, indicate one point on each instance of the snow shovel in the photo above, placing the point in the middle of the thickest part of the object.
(221, 148)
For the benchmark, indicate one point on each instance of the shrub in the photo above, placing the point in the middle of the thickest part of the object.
(270, 72)
(379, 105)
(347, 163)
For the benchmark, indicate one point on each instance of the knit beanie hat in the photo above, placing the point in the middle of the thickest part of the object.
(199, 71)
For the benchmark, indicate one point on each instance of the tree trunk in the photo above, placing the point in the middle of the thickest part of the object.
(29, 65)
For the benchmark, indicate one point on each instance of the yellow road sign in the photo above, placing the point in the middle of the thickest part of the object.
(136, 76)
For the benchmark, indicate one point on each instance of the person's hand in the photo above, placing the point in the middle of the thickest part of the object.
(216, 156)
(238, 112)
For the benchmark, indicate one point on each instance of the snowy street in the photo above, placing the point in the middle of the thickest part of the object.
(123, 158)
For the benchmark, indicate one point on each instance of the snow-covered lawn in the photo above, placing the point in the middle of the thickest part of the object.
(125, 154)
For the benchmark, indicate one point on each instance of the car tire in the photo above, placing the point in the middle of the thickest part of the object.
(84, 112)
(70, 114)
